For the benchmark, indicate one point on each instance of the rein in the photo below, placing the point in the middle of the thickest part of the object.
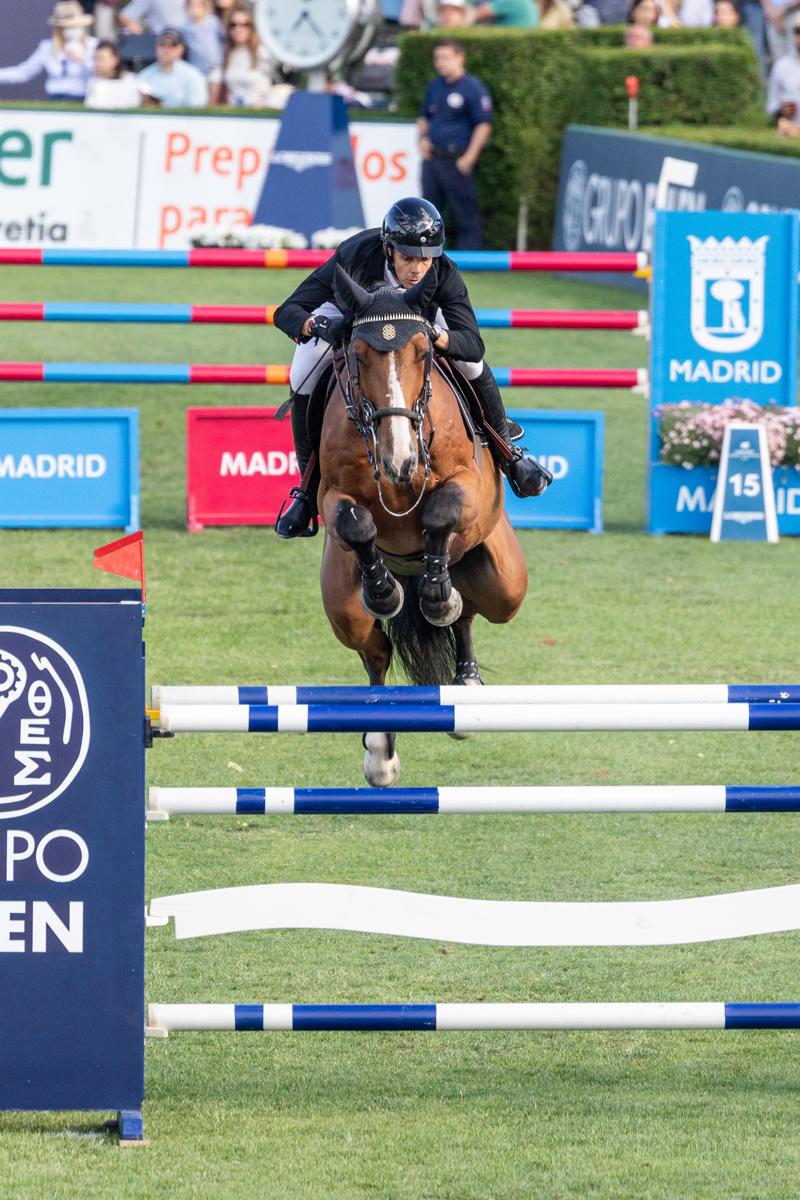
(366, 417)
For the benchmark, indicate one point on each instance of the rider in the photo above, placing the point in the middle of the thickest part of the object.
(399, 254)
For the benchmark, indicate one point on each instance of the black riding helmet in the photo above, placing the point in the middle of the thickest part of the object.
(414, 227)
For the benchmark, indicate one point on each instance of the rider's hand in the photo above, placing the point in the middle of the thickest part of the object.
(329, 329)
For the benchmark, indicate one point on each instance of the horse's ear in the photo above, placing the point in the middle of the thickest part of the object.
(422, 293)
(350, 295)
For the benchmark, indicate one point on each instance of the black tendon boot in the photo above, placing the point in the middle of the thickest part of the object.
(526, 476)
(300, 518)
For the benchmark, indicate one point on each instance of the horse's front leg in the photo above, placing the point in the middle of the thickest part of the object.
(439, 601)
(381, 594)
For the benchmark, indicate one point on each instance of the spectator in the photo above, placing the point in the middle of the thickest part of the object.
(783, 89)
(454, 125)
(244, 78)
(653, 13)
(155, 15)
(727, 14)
(223, 10)
(170, 81)
(602, 12)
(66, 57)
(555, 14)
(638, 37)
(453, 14)
(203, 35)
(111, 86)
(779, 27)
(522, 14)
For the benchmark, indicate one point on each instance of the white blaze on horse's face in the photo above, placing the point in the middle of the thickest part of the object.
(397, 438)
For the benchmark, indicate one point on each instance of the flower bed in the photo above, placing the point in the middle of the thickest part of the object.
(692, 434)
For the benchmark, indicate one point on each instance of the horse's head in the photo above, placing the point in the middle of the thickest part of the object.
(389, 360)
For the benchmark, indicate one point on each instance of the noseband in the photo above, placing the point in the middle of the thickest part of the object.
(366, 417)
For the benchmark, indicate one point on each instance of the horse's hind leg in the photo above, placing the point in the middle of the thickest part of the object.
(467, 671)
(438, 599)
(381, 594)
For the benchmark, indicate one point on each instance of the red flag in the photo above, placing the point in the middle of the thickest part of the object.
(123, 557)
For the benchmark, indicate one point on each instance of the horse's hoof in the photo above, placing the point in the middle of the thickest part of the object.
(380, 768)
(443, 613)
(385, 608)
(470, 680)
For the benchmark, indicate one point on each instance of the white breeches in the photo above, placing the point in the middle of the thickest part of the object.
(311, 358)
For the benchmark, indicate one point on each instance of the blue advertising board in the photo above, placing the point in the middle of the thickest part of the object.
(72, 851)
(725, 320)
(69, 467)
(612, 182)
(570, 444)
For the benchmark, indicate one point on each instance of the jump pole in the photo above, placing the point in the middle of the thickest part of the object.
(474, 718)
(635, 320)
(259, 373)
(465, 260)
(269, 802)
(164, 1019)
(547, 693)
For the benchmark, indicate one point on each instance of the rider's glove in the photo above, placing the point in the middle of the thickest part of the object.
(329, 329)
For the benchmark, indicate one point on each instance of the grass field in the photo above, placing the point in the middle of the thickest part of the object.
(443, 1116)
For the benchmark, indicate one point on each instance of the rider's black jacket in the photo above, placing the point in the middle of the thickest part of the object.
(363, 259)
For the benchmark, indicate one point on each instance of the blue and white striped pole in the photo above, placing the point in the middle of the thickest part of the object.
(164, 1019)
(430, 800)
(474, 718)
(546, 693)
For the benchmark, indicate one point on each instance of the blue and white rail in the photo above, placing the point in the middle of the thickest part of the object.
(474, 718)
(614, 693)
(278, 801)
(164, 1019)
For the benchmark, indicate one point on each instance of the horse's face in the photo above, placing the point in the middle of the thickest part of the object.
(393, 380)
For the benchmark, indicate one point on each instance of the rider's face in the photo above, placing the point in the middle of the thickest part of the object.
(408, 270)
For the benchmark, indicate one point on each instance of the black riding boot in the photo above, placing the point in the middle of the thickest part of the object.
(298, 520)
(527, 477)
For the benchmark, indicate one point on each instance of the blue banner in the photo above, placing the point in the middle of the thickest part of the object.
(611, 184)
(71, 849)
(570, 444)
(69, 467)
(725, 320)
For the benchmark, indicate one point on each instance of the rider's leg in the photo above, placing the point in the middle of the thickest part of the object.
(526, 476)
(309, 361)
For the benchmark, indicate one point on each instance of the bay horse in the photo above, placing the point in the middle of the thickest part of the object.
(407, 493)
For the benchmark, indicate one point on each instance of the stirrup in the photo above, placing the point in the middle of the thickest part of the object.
(296, 494)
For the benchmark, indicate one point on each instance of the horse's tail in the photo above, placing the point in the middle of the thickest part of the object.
(427, 653)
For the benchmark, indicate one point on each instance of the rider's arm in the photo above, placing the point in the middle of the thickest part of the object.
(293, 315)
(465, 341)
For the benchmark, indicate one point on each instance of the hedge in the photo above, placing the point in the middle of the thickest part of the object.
(541, 81)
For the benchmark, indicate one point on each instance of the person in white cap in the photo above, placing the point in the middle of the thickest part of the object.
(453, 14)
(66, 57)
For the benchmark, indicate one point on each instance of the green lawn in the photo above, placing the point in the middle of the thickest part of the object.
(441, 1116)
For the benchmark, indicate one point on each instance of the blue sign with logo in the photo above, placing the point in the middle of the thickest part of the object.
(570, 444)
(71, 850)
(725, 319)
(311, 180)
(69, 467)
(744, 503)
(612, 182)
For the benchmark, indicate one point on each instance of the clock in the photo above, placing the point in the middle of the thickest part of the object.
(307, 35)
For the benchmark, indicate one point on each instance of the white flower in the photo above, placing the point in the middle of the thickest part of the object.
(331, 238)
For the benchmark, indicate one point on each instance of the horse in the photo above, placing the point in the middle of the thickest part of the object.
(407, 492)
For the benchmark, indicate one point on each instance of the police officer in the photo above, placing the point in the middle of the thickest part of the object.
(409, 244)
(454, 125)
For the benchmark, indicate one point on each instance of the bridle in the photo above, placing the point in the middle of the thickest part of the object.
(366, 417)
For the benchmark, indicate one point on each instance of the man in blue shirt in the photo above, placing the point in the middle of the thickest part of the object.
(170, 81)
(454, 124)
